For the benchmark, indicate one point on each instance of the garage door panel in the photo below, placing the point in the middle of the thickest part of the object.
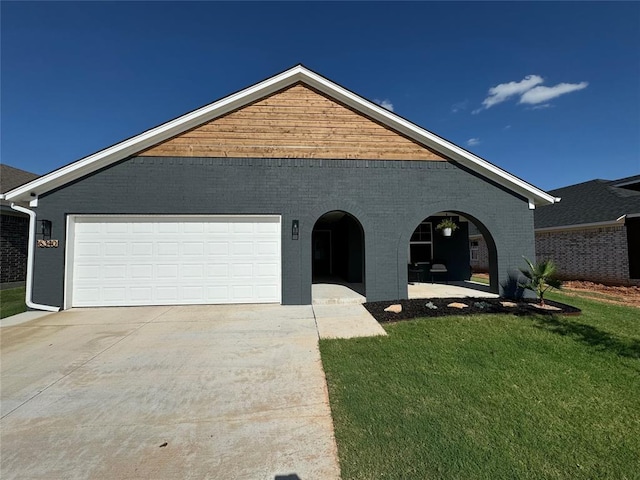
(241, 271)
(241, 248)
(192, 272)
(141, 294)
(242, 228)
(193, 248)
(167, 293)
(113, 294)
(168, 227)
(141, 249)
(242, 293)
(116, 227)
(117, 272)
(167, 272)
(218, 270)
(266, 292)
(193, 293)
(193, 227)
(87, 249)
(140, 272)
(142, 227)
(175, 260)
(266, 247)
(168, 249)
(271, 270)
(116, 249)
(87, 272)
(218, 227)
(218, 249)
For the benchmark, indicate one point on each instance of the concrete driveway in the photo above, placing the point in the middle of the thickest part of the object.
(233, 392)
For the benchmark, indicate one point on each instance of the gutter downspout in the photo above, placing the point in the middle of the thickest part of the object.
(30, 255)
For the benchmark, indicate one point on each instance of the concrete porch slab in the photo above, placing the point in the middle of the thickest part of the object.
(333, 293)
(450, 290)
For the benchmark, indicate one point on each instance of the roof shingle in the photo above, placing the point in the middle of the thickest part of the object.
(590, 202)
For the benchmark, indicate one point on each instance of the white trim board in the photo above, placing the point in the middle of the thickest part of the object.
(299, 73)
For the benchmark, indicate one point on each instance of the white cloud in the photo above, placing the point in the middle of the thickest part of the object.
(507, 127)
(541, 94)
(504, 91)
(456, 107)
(386, 103)
(530, 91)
(540, 107)
(473, 141)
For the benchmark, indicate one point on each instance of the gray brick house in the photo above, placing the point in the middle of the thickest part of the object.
(254, 197)
(592, 234)
(14, 228)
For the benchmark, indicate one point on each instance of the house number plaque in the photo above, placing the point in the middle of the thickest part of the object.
(47, 243)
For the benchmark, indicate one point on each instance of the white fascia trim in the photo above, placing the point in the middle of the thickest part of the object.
(296, 74)
(581, 226)
(30, 254)
(622, 218)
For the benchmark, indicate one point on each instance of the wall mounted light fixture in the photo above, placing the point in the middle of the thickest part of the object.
(45, 229)
(295, 230)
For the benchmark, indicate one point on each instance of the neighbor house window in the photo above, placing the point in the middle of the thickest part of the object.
(474, 249)
(421, 245)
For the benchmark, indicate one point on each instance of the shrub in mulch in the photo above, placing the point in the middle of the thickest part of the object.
(424, 307)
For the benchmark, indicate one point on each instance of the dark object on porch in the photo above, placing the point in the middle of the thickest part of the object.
(418, 272)
(439, 268)
(417, 307)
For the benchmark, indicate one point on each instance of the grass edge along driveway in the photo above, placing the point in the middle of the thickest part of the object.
(491, 396)
(12, 302)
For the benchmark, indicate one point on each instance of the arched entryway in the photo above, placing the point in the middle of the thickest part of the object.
(438, 256)
(337, 251)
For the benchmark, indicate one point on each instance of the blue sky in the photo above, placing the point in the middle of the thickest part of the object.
(549, 91)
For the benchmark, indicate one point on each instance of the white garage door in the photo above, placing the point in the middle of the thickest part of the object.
(174, 260)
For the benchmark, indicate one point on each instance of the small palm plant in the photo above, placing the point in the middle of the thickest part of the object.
(540, 278)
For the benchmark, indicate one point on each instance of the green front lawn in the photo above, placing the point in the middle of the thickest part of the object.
(491, 396)
(12, 302)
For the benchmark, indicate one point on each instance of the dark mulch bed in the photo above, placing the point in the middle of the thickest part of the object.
(416, 308)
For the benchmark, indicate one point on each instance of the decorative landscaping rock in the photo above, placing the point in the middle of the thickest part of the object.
(547, 307)
(437, 307)
(458, 305)
(509, 304)
(395, 308)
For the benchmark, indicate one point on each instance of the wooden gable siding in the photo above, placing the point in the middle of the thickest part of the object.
(297, 122)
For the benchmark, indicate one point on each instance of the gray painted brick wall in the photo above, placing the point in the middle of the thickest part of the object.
(389, 198)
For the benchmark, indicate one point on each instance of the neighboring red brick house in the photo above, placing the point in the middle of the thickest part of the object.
(14, 228)
(592, 234)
